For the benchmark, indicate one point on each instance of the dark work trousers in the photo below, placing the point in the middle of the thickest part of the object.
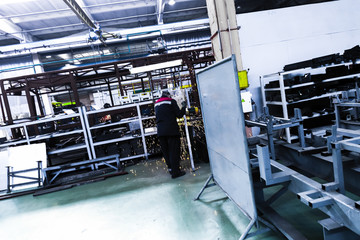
(170, 146)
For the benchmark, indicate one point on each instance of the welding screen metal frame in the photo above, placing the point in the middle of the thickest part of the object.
(224, 124)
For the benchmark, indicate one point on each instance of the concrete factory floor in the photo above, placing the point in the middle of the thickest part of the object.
(144, 204)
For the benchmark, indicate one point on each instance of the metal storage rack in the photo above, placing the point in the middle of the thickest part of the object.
(86, 129)
(282, 89)
(45, 136)
(136, 119)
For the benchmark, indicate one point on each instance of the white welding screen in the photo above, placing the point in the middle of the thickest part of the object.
(224, 124)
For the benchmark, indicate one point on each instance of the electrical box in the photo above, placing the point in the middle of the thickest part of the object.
(246, 101)
(243, 79)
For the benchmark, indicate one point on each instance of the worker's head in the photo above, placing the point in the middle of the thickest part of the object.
(165, 93)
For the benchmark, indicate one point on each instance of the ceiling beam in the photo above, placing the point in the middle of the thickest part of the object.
(80, 26)
(66, 12)
(198, 11)
(114, 22)
(8, 28)
(96, 9)
(160, 11)
(82, 15)
(35, 16)
(83, 7)
(124, 5)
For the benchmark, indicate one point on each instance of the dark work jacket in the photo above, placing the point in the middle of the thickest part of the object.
(166, 111)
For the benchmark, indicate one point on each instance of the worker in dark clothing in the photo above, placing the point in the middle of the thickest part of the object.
(166, 111)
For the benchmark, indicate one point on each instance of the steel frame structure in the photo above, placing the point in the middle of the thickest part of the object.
(50, 174)
(106, 74)
(18, 174)
(343, 212)
(271, 124)
(329, 197)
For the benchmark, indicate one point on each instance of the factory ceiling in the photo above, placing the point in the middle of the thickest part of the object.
(39, 20)
(24, 21)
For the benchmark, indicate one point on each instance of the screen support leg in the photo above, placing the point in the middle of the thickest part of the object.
(253, 222)
(206, 185)
(248, 228)
(260, 230)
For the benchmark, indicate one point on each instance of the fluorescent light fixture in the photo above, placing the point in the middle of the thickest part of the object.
(152, 67)
(172, 2)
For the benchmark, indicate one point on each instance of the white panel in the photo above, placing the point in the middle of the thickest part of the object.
(225, 132)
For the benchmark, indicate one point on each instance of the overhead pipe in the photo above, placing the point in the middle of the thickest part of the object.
(97, 56)
(69, 42)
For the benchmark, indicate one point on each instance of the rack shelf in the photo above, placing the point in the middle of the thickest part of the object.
(137, 120)
(55, 134)
(317, 97)
(122, 121)
(150, 134)
(281, 99)
(13, 143)
(313, 83)
(67, 149)
(115, 140)
(274, 103)
(146, 118)
(87, 131)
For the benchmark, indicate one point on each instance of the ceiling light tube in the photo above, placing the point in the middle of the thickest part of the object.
(157, 66)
